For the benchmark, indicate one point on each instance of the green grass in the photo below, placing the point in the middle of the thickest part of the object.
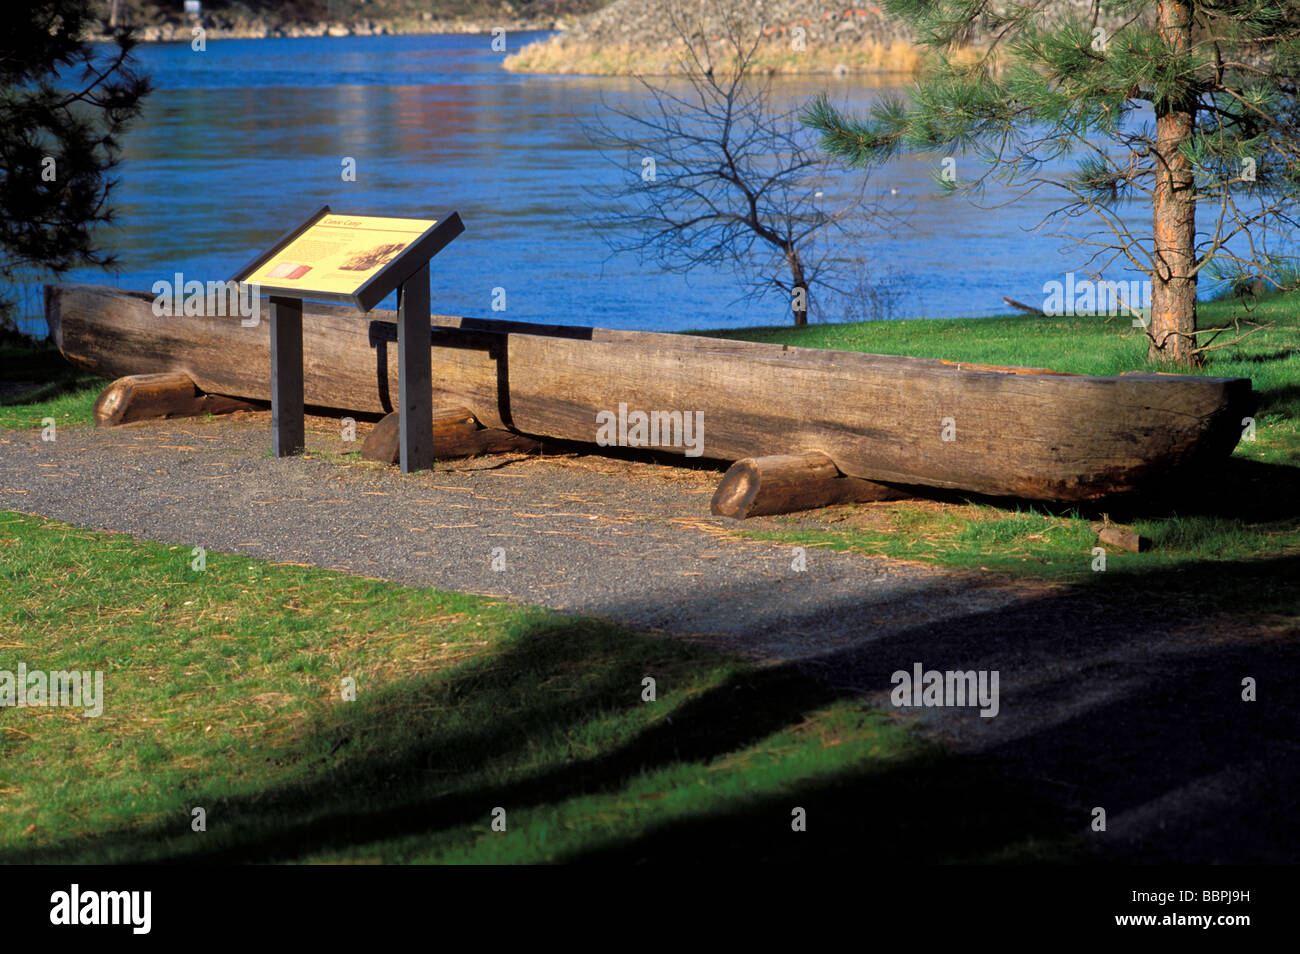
(223, 689)
(60, 391)
(1190, 555)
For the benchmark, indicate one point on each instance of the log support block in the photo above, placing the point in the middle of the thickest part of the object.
(455, 433)
(1121, 538)
(762, 486)
(138, 397)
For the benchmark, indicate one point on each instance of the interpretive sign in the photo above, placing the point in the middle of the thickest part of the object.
(358, 260)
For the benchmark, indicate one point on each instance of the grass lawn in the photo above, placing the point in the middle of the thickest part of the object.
(36, 382)
(223, 689)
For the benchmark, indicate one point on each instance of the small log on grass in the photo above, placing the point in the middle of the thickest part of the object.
(456, 433)
(761, 486)
(138, 397)
(1122, 538)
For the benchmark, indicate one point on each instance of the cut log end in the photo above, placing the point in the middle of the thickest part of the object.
(1122, 538)
(763, 486)
(139, 397)
(456, 433)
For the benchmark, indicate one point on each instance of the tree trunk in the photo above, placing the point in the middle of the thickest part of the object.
(139, 397)
(1173, 291)
(798, 288)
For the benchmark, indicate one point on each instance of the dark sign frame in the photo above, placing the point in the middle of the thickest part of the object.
(379, 285)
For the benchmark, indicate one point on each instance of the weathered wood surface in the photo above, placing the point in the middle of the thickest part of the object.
(1121, 538)
(878, 417)
(455, 434)
(138, 397)
(761, 486)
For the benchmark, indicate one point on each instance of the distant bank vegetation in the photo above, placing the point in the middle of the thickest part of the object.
(165, 20)
(597, 37)
(798, 36)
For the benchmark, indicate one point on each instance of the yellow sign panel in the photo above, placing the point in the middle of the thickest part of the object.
(339, 253)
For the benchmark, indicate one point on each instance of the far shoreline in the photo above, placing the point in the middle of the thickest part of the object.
(183, 32)
(548, 54)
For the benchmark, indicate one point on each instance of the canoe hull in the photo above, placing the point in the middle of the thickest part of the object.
(910, 421)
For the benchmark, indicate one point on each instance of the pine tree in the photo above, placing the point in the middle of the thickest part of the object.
(64, 104)
(1189, 106)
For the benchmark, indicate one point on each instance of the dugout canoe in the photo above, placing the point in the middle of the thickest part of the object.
(1019, 432)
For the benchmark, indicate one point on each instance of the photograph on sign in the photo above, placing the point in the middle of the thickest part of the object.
(339, 253)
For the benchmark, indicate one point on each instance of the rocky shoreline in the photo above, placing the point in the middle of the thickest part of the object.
(215, 28)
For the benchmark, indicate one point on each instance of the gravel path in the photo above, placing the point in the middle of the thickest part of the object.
(632, 542)
(1134, 706)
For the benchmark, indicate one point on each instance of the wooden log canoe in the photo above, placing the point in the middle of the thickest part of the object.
(897, 420)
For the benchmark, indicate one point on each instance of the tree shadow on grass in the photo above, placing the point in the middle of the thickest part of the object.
(1249, 491)
(1122, 692)
(407, 752)
(398, 787)
(31, 372)
(1105, 701)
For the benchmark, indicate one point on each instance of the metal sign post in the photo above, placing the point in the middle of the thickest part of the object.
(415, 372)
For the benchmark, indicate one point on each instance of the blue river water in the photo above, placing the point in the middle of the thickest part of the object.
(242, 140)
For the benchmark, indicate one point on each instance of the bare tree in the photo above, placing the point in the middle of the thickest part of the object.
(714, 175)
